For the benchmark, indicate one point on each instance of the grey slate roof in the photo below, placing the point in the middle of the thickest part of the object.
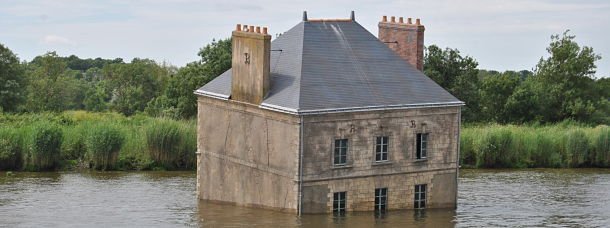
(338, 66)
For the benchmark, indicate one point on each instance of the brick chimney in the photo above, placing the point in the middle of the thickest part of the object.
(250, 80)
(405, 38)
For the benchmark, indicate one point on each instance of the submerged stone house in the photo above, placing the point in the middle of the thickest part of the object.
(328, 118)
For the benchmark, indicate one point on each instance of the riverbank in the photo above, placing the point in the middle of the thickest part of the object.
(103, 141)
(563, 145)
(111, 141)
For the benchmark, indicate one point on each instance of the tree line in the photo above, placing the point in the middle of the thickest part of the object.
(561, 86)
(52, 83)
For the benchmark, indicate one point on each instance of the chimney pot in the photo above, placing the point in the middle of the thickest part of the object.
(258, 29)
(265, 30)
(245, 28)
(304, 15)
(251, 29)
(401, 20)
(393, 19)
(352, 16)
(238, 27)
(385, 19)
(409, 21)
(417, 21)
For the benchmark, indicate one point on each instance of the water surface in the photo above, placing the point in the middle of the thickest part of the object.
(539, 197)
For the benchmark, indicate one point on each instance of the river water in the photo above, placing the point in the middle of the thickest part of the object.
(487, 198)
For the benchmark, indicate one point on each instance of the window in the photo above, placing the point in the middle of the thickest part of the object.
(420, 196)
(422, 146)
(340, 155)
(381, 149)
(339, 199)
(381, 198)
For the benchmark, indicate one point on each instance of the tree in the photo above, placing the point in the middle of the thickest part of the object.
(457, 74)
(12, 82)
(178, 100)
(53, 86)
(495, 90)
(561, 85)
(134, 84)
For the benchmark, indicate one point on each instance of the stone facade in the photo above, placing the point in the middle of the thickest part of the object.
(250, 156)
(247, 155)
(361, 175)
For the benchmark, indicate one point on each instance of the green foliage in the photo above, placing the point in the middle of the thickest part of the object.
(73, 145)
(457, 74)
(53, 87)
(44, 146)
(577, 148)
(171, 144)
(133, 85)
(567, 144)
(12, 83)
(561, 87)
(177, 100)
(103, 144)
(11, 149)
(495, 89)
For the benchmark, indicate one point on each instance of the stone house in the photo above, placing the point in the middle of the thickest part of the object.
(328, 118)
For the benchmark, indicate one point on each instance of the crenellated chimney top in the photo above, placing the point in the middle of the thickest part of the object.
(250, 76)
(406, 39)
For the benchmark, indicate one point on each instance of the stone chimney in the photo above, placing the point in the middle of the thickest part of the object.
(250, 80)
(405, 38)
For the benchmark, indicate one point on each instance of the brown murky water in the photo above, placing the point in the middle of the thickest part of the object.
(487, 198)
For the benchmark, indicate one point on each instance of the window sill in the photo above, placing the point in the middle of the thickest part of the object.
(341, 166)
(379, 163)
(421, 160)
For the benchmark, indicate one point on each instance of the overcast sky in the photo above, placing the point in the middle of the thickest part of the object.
(499, 34)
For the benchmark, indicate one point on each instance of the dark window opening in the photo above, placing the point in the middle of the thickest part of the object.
(339, 200)
(422, 146)
(381, 149)
(340, 154)
(420, 196)
(381, 199)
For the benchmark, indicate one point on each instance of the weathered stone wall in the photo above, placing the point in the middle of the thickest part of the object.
(247, 156)
(362, 174)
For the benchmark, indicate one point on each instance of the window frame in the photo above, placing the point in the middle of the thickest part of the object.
(381, 200)
(419, 199)
(339, 202)
(379, 148)
(337, 149)
(422, 139)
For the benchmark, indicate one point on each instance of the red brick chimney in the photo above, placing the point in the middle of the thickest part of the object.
(406, 39)
(250, 80)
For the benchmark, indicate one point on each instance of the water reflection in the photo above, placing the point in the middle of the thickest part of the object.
(487, 198)
(215, 214)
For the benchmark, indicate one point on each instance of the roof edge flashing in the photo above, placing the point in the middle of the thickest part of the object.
(211, 94)
(358, 109)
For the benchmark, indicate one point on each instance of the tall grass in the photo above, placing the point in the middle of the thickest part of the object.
(11, 149)
(170, 144)
(509, 146)
(43, 141)
(103, 145)
(44, 146)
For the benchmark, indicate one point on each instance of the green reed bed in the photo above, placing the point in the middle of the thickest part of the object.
(509, 146)
(79, 139)
(171, 144)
